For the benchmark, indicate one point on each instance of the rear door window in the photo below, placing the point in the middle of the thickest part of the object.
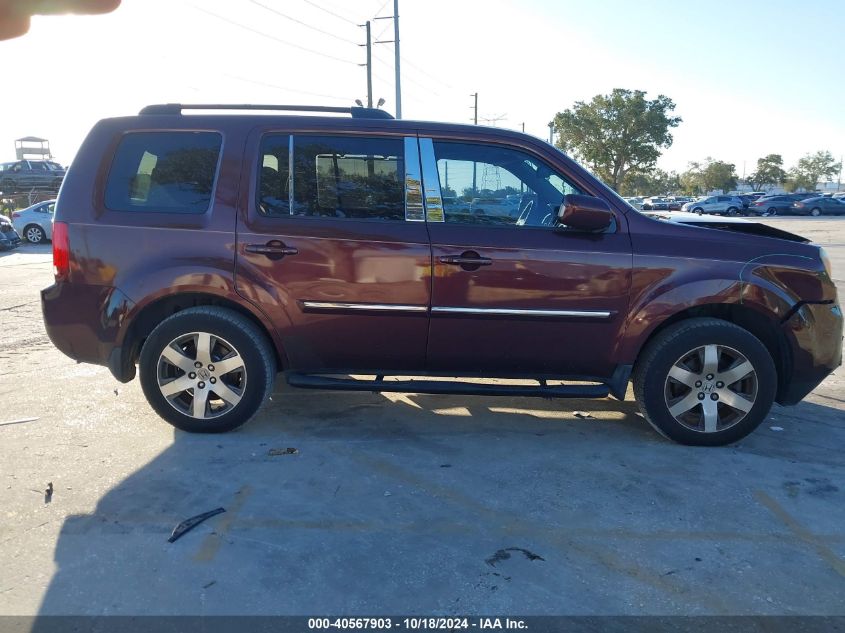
(164, 172)
(349, 177)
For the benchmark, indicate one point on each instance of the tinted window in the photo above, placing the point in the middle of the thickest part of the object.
(349, 177)
(273, 176)
(495, 185)
(167, 172)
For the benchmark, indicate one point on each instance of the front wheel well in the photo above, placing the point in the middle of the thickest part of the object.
(764, 328)
(154, 313)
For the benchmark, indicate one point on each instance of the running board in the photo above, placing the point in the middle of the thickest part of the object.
(312, 381)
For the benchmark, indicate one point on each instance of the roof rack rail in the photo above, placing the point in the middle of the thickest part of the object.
(176, 108)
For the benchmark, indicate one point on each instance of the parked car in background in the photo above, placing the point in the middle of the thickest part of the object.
(636, 202)
(35, 223)
(497, 207)
(778, 204)
(722, 205)
(22, 175)
(840, 194)
(9, 238)
(676, 202)
(818, 206)
(656, 203)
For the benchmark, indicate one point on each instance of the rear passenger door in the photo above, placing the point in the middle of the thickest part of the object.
(332, 246)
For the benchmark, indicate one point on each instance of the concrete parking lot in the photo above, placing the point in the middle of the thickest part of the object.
(403, 503)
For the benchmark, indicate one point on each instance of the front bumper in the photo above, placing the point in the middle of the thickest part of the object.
(814, 332)
(9, 240)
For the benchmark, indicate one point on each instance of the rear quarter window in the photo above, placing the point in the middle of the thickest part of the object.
(164, 172)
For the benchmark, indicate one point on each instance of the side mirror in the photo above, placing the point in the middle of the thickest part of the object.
(585, 213)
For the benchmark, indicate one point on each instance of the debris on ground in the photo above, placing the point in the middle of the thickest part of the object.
(581, 414)
(283, 451)
(776, 428)
(189, 524)
(504, 554)
(21, 421)
(48, 493)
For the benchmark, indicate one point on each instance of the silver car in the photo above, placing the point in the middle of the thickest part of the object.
(723, 205)
(35, 223)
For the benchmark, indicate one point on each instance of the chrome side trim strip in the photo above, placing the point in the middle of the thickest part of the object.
(431, 182)
(368, 307)
(590, 314)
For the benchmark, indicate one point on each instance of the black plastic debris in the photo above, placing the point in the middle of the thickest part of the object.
(504, 554)
(189, 524)
(273, 452)
(48, 493)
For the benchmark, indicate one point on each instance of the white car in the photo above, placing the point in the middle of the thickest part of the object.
(35, 223)
(724, 205)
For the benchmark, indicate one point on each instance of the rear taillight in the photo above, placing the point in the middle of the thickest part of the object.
(61, 251)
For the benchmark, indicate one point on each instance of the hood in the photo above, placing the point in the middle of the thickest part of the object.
(737, 225)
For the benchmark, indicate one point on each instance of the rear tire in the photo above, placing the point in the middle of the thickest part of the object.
(678, 388)
(732, 211)
(34, 234)
(815, 212)
(236, 373)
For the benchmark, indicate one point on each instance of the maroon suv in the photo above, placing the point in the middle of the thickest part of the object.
(213, 250)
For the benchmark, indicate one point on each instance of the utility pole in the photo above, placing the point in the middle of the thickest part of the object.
(396, 56)
(551, 132)
(369, 68)
(523, 128)
(369, 65)
(475, 118)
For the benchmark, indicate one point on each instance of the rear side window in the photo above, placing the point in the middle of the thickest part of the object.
(348, 177)
(164, 172)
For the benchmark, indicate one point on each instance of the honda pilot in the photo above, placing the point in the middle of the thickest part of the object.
(209, 251)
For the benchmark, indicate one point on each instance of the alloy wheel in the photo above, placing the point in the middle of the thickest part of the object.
(201, 375)
(711, 388)
(34, 234)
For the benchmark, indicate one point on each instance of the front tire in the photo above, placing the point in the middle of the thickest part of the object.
(705, 382)
(207, 369)
(815, 212)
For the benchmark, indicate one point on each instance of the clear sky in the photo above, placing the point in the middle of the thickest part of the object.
(749, 78)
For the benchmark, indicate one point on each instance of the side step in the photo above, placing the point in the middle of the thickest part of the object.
(316, 381)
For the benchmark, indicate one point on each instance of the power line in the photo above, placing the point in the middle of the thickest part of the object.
(407, 78)
(305, 24)
(317, 6)
(268, 36)
(285, 88)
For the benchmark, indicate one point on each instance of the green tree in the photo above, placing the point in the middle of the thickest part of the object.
(617, 133)
(769, 172)
(811, 170)
(711, 175)
(654, 182)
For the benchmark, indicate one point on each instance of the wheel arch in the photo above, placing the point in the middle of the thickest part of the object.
(147, 316)
(763, 326)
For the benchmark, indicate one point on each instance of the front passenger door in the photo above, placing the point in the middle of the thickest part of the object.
(513, 292)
